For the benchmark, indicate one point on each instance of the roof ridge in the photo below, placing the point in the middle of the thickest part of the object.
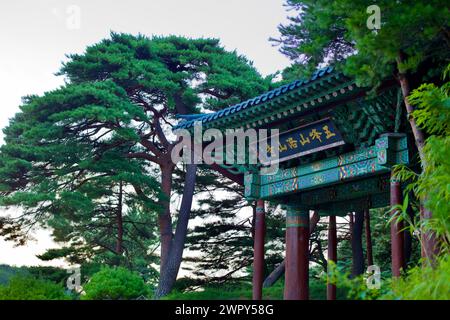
(263, 97)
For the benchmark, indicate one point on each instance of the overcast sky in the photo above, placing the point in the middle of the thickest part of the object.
(35, 35)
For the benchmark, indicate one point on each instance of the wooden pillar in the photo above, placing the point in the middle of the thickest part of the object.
(396, 227)
(368, 238)
(332, 254)
(258, 250)
(297, 254)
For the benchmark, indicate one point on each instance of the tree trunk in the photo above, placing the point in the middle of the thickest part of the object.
(428, 240)
(165, 219)
(350, 225)
(279, 270)
(407, 237)
(368, 238)
(429, 247)
(357, 249)
(119, 221)
(169, 273)
(419, 136)
(275, 275)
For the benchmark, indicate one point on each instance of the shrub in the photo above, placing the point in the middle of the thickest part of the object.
(28, 288)
(53, 274)
(423, 283)
(115, 284)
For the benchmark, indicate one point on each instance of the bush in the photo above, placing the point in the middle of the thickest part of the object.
(53, 274)
(28, 288)
(115, 284)
(423, 283)
(7, 272)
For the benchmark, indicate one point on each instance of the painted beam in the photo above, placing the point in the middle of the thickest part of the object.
(346, 191)
(388, 150)
(342, 208)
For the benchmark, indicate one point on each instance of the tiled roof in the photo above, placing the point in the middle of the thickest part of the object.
(253, 102)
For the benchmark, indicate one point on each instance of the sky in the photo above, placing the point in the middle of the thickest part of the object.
(36, 35)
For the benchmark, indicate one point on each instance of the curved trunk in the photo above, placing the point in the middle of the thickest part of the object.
(172, 264)
(165, 219)
(275, 275)
(419, 136)
(428, 240)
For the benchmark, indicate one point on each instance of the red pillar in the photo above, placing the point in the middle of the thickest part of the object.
(332, 253)
(258, 250)
(396, 227)
(296, 285)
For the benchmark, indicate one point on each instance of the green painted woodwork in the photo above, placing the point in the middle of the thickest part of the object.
(283, 109)
(360, 120)
(346, 191)
(296, 216)
(388, 150)
(363, 120)
(342, 208)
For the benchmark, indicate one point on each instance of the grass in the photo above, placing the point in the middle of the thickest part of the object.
(317, 291)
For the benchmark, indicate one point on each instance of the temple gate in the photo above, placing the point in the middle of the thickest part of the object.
(338, 145)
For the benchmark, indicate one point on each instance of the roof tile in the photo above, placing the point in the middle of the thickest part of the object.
(256, 100)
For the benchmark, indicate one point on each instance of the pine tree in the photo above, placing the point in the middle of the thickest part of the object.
(116, 109)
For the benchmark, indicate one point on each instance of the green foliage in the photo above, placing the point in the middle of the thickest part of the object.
(29, 288)
(7, 272)
(317, 291)
(53, 274)
(413, 35)
(433, 114)
(214, 293)
(355, 288)
(419, 283)
(69, 152)
(381, 242)
(225, 238)
(423, 283)
(115, 284)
